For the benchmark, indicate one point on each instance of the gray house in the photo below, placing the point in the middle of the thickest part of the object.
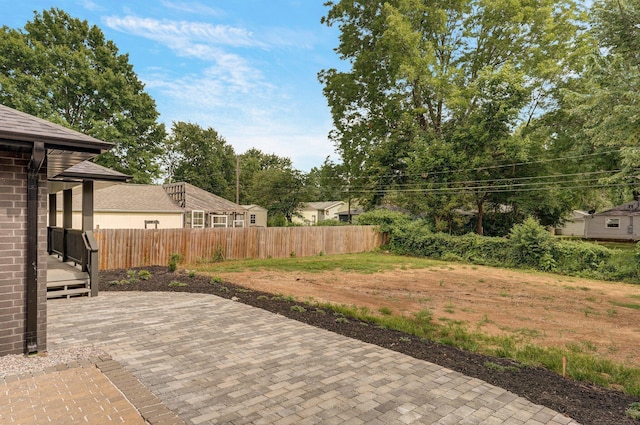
(618, 223)
(34, 155)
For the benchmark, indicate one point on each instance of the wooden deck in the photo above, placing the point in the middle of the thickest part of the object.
(65, 279)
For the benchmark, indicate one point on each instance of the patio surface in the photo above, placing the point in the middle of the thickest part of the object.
(209, 360)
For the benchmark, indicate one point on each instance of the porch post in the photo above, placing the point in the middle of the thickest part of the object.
(53, 217)
(67, 206)
(38, 155)
(53, 209)
(67, 219)
(87, 205)
(90, 262)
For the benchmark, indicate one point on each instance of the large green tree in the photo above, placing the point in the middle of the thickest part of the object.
(61, 69)
(201, 157)
(252, 162)
(436, 89)
(279, 190)
(605, 102)
(327, 182)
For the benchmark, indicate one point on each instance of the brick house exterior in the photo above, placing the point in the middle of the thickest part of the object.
(13, 262)
(32, 153)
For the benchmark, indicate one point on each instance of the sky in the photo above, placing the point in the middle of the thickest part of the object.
(246, 68)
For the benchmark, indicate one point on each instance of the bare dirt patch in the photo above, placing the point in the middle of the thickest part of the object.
(544, 309)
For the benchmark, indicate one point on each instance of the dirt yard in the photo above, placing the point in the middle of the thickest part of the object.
(548, 310)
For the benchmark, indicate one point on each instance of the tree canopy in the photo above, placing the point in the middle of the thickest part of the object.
(436, 90)
(201, 157)
(61, 69)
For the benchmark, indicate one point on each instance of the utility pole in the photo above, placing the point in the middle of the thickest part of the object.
(237, 180)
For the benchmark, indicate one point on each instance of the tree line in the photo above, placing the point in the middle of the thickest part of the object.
(491, 109)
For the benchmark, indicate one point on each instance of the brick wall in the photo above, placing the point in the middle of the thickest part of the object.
(13, 245)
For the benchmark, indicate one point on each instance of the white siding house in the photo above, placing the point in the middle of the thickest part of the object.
(143, 206)
(127, 206)
(313, 212)
(574, 226)
(256, 216)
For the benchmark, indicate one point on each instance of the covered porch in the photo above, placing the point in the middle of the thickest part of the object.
(72, 265)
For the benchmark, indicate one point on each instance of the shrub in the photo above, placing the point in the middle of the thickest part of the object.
(144, 275)
(386, 220)
(633, 411)
(580, 257)
(331, 222)
(132, 275)
(531, 243)
(173, 262)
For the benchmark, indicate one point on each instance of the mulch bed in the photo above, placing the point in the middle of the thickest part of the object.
(586, 403)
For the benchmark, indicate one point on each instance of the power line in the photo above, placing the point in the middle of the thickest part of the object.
(489, 189)
(464, 170)
(511, 179)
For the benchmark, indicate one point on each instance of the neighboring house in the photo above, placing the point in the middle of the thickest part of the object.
(170, 206)
(574, 226)
(257, 216)
(34, 155)
(313, 212)
(204, 209)
(344, 214)
(618, 223)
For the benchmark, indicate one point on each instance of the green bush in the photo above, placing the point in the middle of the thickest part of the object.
(578, 257)
(416, 239)
(386, 220)
(532, 245)
(331, 222)
(173, 262)
(529, 245)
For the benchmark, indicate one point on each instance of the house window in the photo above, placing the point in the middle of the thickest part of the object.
(252, 219)
(238, 223)
(197, 219)
(612, 222)
(219, 221)
(151, 224)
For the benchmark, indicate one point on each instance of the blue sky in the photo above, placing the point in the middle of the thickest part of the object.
(247, 68)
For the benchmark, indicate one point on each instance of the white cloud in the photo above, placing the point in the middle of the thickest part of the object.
(192, 7)
(232, 92)
(92, 6)
(186, 38)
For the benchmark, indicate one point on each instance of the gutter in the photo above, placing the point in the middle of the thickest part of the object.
(38, 155)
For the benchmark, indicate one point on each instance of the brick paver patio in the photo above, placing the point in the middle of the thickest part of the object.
(215, 361)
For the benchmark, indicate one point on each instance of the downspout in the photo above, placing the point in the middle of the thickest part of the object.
(38, 155)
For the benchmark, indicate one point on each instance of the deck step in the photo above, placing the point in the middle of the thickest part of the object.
(68, 283)
(68, 293)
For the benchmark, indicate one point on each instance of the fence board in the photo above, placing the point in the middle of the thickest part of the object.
(125, 248)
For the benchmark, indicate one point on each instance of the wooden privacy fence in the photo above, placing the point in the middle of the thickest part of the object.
(125, 248)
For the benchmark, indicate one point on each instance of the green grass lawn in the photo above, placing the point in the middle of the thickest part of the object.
(365, 263)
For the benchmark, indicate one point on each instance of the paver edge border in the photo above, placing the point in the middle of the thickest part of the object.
(152, 410)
